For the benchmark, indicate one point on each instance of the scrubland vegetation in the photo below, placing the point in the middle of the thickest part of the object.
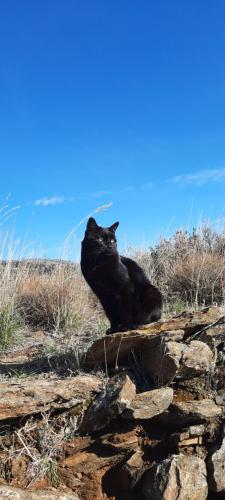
(52, 296)
(189, 269)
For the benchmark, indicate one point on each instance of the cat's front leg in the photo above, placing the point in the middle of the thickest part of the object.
(124, 319)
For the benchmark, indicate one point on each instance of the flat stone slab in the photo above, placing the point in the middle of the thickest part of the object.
(36, 394)
(190, 413)
(148, 404)
(114, 348)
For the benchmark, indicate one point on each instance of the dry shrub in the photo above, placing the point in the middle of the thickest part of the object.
(189, 268)
(198, 279)
(10, 318)
(45, 302)
(59, 301)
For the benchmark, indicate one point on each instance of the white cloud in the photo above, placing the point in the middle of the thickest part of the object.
(200, 178)
(58, 200)
(53, 200)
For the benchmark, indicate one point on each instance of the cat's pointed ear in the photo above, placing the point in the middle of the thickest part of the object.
(91, 224)
(114, 227)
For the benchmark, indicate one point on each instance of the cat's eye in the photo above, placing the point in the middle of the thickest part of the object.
(100, 239)
(112, 241)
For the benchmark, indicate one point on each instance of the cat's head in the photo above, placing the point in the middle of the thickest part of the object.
(103, 238)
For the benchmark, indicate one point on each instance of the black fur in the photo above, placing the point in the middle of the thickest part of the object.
(125, 292)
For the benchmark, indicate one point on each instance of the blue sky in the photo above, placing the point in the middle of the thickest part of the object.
(117, 102)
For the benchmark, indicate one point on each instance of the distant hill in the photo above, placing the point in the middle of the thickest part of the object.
(41, 266)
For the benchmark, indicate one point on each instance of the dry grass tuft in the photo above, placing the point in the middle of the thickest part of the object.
(199, 279)
(189, 268)
(59, 301)
(46, 302)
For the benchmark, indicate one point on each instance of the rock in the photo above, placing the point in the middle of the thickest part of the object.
(194, 322)
(18, 494)
(123, 441)
(195, 441)
(113, 349)
(163, 361)
(197, 358)
(220, 384)
(190, 322)
(36, 394)
(201, 387)
(117, 395)
(169, 360)
(213, 336)
(149, 404)
(204, 409)
(190, 412)
(178, 477)
(191, 436)
(220, 397)
(194, 430)
(20, 355)
(93, 468)
(131, 472)
(216, 467)
(34, 359)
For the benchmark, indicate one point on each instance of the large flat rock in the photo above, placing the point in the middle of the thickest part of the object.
(115, 348)
(148, 404)
(190, 412)
(36, 394)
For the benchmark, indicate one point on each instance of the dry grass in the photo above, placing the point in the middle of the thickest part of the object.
(60, 301)
(188, 268)
(198, 279)
(39, 443)
(50, 302)
(56, 301)
(10, 318)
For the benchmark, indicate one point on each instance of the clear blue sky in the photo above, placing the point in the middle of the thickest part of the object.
(111, 101)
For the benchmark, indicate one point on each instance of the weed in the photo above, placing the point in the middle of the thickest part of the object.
(50, 469)
(10, 322)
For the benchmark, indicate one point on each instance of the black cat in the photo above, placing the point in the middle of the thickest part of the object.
(125, 292)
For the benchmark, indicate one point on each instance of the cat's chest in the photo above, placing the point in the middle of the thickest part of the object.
(108, 273)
